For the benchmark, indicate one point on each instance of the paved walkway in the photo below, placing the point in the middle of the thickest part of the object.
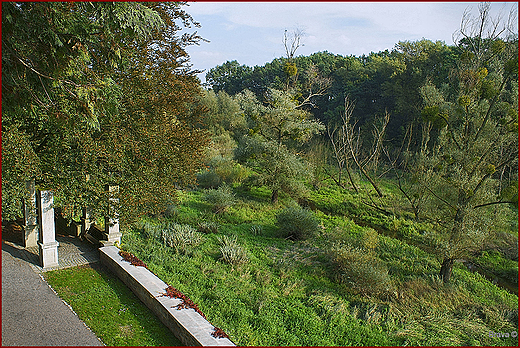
(32, 313)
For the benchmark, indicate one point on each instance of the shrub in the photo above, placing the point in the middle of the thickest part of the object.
(231, 252)
(207, 227)
(297, 223)
(228, 170)
(171, 211)
(181, 237)
(221, 198)
(208, 179)
(362, 270)
(370, 239)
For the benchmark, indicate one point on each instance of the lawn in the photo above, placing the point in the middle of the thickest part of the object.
(109, 308)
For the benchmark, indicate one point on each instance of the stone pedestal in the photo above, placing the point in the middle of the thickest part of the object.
(30, 217)
(112, 223)
(47, 243)
(49, 254)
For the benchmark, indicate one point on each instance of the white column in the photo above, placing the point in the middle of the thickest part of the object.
(30, 215)
(112, 223)
(48, 244)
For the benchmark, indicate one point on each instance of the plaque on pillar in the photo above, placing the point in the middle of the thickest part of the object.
(48, 244)
(30, 216)
(112, 220)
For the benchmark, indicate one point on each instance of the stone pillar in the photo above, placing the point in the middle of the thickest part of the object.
(112, 223)
(30, 215)
(48, 244)
(85, 220)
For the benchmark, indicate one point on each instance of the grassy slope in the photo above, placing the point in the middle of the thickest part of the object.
(288, 293)
(109, 308)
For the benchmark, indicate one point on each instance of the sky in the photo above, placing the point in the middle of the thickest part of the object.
(252, 32)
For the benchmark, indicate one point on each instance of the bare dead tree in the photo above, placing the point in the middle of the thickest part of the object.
(346, 143)
(338, 138)
(292, 42)
(316, 85)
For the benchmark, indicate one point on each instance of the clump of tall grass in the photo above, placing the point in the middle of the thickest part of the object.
(297, 223)
(208, 179)
(256, 230)
(183, 238)
(230, 251)
(152, 229)
(358, 265)
(208, 227)
(362, 270)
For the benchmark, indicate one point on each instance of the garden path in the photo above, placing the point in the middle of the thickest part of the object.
(32, 313)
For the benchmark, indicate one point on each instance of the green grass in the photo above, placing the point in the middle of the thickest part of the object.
(109, 308)
(289, 293)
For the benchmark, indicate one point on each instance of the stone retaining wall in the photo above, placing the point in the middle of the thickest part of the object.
(186, 324)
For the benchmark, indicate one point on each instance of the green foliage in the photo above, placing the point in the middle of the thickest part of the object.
(277, 167)
(228, 170)
(256, 230)
(221, 198)
(78, 81)
(359, 267)
(208, 179)
(493, 261)
(297, 223)
(290, 69)
(19, 164)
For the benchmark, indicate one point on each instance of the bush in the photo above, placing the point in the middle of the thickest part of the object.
(208, 179)
(221, 198)
(228, 170)
(171, 211)
(181, 237)
(362, 270)
(297, 223)
(231, 252)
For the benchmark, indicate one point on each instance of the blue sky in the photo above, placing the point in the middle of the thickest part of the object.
(252, 32)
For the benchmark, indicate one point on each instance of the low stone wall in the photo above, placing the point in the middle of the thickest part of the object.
(186, 324)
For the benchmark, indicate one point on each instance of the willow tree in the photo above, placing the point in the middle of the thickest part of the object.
(97, 93)
(463, 167)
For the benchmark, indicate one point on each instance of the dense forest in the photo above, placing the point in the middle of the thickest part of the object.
(351, 194)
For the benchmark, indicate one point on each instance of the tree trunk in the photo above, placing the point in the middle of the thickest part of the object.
(274, 197)
(446, 268)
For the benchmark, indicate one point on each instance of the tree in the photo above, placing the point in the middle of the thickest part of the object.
(460, 168)
(277, 131)
(97, 93)
(230, 77)
(277, 168)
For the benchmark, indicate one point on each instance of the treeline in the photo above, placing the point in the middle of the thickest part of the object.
(387, 81)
